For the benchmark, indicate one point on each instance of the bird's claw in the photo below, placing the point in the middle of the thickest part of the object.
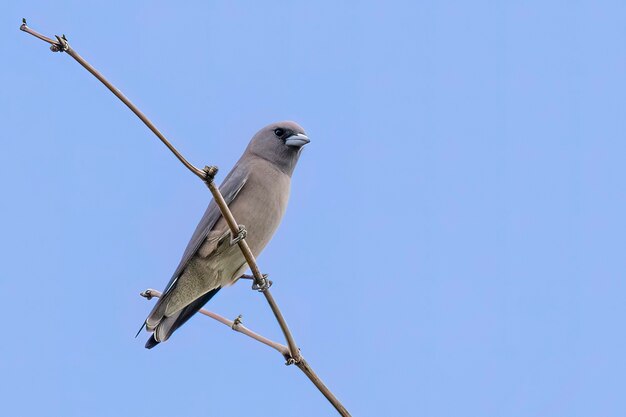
(263, 285)
(240, 235)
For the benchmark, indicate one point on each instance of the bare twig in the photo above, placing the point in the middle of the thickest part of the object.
(207, 175)
(308, 371)
(236, 325)
(256, 272)
(61, 45)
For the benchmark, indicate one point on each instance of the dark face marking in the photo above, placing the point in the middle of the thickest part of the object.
(283, 133)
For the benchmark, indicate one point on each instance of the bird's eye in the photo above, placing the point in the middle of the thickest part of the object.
(279, 132)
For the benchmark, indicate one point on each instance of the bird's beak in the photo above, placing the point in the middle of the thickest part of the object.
(298, 140)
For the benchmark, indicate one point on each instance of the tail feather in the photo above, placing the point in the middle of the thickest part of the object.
(158, 313)
(165, 326)
(152, 342)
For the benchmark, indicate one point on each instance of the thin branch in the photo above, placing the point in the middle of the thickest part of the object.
(55, 45)
(207, 175)
(303, 365)
(236, 325)
(61, 45)
(260, 280)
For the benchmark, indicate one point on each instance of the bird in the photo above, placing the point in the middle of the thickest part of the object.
(256, 191)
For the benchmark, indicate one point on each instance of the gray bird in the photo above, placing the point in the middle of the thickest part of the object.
(256, 190)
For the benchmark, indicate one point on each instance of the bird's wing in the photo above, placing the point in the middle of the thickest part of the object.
(230, 188)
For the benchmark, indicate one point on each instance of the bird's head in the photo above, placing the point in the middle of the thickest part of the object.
(280, 143)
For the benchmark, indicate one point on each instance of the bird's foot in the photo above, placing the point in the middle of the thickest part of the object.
(240, 235)
(263, 285)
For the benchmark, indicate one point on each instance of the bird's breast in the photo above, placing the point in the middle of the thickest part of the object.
(261, 205)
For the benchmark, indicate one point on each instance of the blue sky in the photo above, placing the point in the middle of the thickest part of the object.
(454, 243)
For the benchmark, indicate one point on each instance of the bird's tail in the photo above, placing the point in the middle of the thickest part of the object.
(162, 327)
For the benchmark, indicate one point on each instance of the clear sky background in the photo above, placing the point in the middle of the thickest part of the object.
(454, 243)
